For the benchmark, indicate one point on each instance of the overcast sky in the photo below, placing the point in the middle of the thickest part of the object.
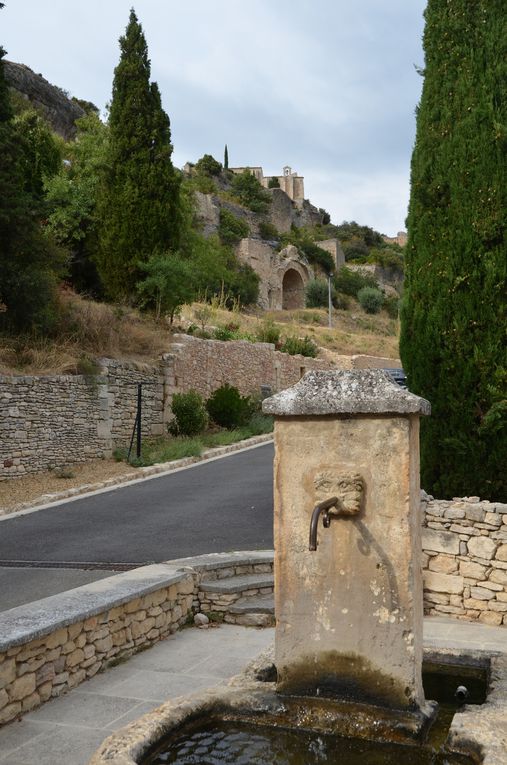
(326, 86)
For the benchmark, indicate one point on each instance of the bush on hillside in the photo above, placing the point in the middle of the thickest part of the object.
(370, 299)
(317, 294)
(228, 408)
(350, 282)
(190, 415)
(392, 306)
(208, 165)
(304, 346)
(230, 228)
(268, 332)
(268, 231)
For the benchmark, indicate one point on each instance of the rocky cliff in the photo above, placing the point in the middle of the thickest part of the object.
(60, 112)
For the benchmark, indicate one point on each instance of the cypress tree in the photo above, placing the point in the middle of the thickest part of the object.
(138, 204)
(226, 158)
(453, 339)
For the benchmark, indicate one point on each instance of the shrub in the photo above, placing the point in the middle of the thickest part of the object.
(228, 408)
(370, 299)
(273, 183)
(268, 332)
(190, 416)
(223, 333)
(268, 231)
(392, 306)
(318, 256)
(247, 189)
(231, 229)
(317, 294)
(208, 165)
(303, 345)
(350, 282)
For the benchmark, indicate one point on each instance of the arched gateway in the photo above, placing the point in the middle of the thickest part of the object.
(293, 290)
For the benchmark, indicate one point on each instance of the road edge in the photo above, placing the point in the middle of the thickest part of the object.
(136, 476)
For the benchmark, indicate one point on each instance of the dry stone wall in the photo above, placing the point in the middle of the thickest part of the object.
(53, 421)
(465, 559)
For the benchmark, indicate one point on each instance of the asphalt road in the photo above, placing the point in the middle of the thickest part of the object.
(217, 506)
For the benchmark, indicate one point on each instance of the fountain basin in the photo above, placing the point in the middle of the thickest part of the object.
(308, 724)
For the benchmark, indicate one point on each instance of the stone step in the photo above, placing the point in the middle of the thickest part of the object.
(258, 604)
(235, 584)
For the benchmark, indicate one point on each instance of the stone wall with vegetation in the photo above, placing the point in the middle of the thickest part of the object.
(205, 365)
(465, 559)
(48, 422)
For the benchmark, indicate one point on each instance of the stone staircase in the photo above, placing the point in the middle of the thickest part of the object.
(245, 599)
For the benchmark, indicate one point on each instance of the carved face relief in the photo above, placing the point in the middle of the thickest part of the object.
(348, 487)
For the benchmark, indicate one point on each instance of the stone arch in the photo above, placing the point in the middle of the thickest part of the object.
(293, 289)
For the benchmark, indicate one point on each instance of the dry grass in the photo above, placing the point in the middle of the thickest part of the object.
(86, 330)
(353, 331)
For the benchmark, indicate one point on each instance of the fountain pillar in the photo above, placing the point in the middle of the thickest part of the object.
(348, 614)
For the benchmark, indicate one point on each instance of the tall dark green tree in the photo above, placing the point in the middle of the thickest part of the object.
(454, 318)
(226, 158)
(138, 204)
(30, 263)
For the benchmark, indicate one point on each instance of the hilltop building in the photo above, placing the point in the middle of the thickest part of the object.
(289, 181)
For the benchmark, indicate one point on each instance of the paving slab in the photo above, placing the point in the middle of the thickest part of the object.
(67, 730)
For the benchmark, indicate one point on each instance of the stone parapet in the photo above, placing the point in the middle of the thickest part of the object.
(465, 559)
(56, 643)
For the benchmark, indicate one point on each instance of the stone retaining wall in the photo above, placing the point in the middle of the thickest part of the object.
(465, 559)
(54, 644)
(52, 421)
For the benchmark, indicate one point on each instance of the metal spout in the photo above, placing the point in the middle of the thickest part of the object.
(322, 507)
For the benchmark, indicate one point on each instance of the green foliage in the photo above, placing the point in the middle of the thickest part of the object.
(355, 249)
(351, 231)
(223, 333)
(454, 310)
(350, 282)
(268, 231)
(249, 192)
(390, 258)
(168, 283)
(71, 198)
(268, 332)
(226, 158)
(302, 345)
(41, 156)
(230, 228)
(30, 262)
(228, 408)
(370, 299)
(190, 416)
(139, 200)
(208, 165)
(273, 182)
(326, 218)
(303, 239)
(317, 294)
(392, 306)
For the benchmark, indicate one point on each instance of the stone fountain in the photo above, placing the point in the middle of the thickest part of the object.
(348, 587)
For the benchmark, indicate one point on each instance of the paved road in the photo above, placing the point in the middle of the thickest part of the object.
(216, 506)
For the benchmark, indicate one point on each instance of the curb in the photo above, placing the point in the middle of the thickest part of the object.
(161, 468)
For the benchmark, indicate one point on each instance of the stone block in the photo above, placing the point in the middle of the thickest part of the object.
(491, 617)
(491, 586)
(455, 513)
(45, 673)
(474, 513)
(480, 593)
(440, 541)
(472, 570)
(22, 687)
(493, 518)
(501, 553)
(9, 712)
(477, 605)
(444, 564)
(4, 699)
(74, 630)
(30, 702)
(75, 658)
(69, 647)
(482, 547)
(44, 691)
(443, 582)
(7, 672)
(60, 637)
(104, 644)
